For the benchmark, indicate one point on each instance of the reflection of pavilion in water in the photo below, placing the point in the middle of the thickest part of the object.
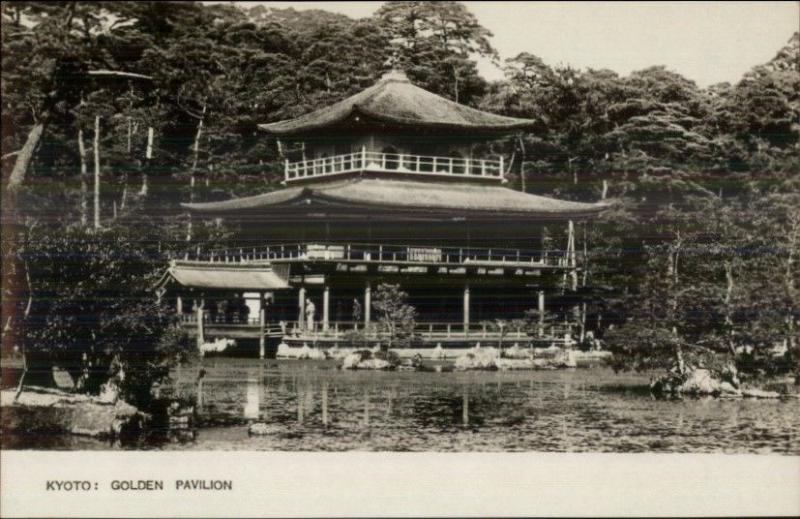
(295, 400)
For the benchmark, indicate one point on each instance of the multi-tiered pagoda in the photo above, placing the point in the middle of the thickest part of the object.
(392, 185)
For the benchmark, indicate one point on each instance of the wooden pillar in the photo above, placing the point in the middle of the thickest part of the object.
(571, 258)
(301, 303)
(367, 303)
(541, 313)
(179, 305)
(200, 331)
(262, 314)
(326, 307)
(466, 308)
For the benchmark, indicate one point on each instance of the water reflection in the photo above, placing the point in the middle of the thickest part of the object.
(366, 408)
(465, 407)
(325, 402)
(313, 406)
(252, 400)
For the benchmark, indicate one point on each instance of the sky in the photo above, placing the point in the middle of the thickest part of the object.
(708, 42)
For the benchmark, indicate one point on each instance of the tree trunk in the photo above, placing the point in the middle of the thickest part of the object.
(522, 163)
(21, 382)
(24, 157)
(97, 172)
(728, 309)
(124, 197)
(455, 83)
(572, 170)
(84, 203)
(148, 155)
(25, 314)
(193, 171)
(679, 353)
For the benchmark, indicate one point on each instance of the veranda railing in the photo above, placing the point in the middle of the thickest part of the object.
(394, 163)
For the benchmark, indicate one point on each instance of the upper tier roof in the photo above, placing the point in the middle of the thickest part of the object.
(405, 195)
(395, 100)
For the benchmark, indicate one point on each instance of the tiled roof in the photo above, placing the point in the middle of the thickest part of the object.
(223, 276)
(395, 100)
(410, 195)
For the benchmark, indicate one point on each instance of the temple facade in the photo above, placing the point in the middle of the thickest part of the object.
(392, 185)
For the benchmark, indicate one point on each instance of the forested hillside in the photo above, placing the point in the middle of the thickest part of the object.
(114, 112)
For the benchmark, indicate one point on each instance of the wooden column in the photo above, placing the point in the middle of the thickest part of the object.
(326, 307)
(541, 313)
(571, 258)
(200, 331)
(367, 303)
(179, 305)
(262, 314)
(301, 303)
(466, 308)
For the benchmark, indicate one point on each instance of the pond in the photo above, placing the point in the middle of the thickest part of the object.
(312, 406)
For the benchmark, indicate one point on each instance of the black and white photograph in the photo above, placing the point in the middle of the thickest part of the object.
(400, 227)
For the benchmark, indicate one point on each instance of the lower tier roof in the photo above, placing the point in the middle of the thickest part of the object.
(406, 195)
(240, 276)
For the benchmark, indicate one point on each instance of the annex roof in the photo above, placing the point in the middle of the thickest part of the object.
(408, 195)
(395, 100)
(239, 276)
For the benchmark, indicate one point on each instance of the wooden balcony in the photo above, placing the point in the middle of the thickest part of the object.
(388, 254)
(430, 333)
(417, 165)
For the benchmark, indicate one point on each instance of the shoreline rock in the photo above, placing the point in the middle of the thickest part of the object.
(71, 413)
(489, 359)
(371, 360)
(704, 382)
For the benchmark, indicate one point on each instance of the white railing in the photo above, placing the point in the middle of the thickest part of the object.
(385, 253)
(394, 163)
(422, 330)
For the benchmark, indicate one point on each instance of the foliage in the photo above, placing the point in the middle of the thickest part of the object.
(91, 308)
(396, 318)
(435, 42)
(722, 284)
(705, 176)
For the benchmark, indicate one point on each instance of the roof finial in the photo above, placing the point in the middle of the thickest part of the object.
(393, 61)
(395, 72)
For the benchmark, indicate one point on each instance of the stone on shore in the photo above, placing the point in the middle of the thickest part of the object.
(438, 352)
(264, 429)
(760, 393)
(477, 359)
(367, 359)
(305, 352)
(698, 382)
(55, 410)
(516, 352)
(491, 359)
(308, 353)
(284, 351)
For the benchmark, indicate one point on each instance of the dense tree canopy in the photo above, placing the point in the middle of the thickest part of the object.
(156, 103)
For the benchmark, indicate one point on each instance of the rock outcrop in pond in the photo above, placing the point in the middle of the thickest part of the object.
(488, 359)
(369, 359)
(305, 352)
(53, 410)
(705, 382)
